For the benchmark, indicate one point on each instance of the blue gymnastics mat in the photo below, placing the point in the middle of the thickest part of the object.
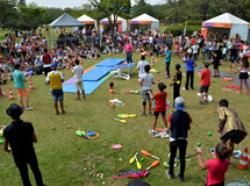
(97, 73)
(89, 86)
(110, 62)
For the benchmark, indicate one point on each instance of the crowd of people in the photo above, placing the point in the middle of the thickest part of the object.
(20, 58)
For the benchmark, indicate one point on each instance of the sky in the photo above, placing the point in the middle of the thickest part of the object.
(71, 3)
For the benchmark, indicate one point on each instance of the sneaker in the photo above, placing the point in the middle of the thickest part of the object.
(153, 133)
(202, 102)
(169, 176)
(164, 135)
(28, 108)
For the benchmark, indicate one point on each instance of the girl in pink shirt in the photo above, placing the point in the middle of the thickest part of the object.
(216, 167)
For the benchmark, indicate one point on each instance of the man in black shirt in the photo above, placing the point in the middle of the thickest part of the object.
(20, 136)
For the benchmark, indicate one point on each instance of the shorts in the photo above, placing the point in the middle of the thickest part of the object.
(234, 135)
(243, 75)
(156, 114)
(233, 59)
(145, 95)
(204, 89)
(57, 95)
(22, 92)
(79, 85)
(216, 66)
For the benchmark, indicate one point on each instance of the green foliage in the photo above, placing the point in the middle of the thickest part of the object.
(177, 29)
(142, 7)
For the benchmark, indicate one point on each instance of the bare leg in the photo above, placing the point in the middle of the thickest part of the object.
(247, 87)
(150, 106)
(241, 84)
(206, 97)
(27, 101)
(21, 101)
(155, 122)
(56, 107)
(230, 145)
(78, 95)
(164, 121)
(83, 94)
(62, 107)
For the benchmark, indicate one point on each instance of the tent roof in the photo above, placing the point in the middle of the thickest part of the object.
(65, 20)
(112, 18)
(144, 17)
(226, 18)
(85, 18)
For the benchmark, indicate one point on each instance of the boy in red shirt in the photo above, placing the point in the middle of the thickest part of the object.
(216, 167)
(160, 108)
(205, 83)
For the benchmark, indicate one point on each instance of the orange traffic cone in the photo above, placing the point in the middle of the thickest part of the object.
(31, 84)
(249, 157)
(243, 163)
(11, 96)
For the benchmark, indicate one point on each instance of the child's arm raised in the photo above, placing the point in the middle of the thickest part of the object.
(201, 162)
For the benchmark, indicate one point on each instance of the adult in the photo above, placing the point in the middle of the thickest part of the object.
(20, 136)
(55, 79)
(179, 124)
(129, 49)
(22, 92)
(141, 66)
(168, 60)
(190, 65)
(47, 60)
(78, 71)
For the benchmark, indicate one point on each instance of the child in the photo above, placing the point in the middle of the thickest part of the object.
(217, 167)
(160, 108)
(146, 82)
(230, 127)
(78, 72)
(205, 82)
(244, 73)
(216, 57)
(177, 82)
(111, 88)
(20, 136)
(141, 65)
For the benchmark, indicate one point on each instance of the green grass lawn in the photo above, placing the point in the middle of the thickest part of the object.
(67, 160)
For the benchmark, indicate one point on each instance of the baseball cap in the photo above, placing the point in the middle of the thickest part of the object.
(179, 103)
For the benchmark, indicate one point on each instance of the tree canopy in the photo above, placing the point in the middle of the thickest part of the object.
(23, 16)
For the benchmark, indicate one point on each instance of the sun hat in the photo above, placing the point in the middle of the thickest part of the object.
(179, 103)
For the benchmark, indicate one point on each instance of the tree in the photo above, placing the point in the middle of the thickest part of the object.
(112, 7)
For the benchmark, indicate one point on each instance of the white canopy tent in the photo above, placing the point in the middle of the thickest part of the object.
(87, 21)
(146, 19)
(227, 23)
(121, 23)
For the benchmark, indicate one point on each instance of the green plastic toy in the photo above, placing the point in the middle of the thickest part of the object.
(210, 133)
